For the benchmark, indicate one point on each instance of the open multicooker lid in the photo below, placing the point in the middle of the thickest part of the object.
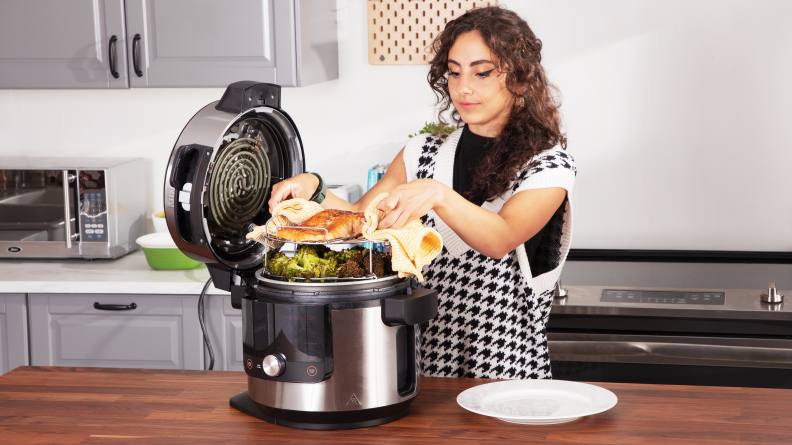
(222, 169)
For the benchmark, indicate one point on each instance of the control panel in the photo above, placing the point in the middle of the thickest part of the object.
(287, 342)
(662, 297)
(276, 367)
(93, 206)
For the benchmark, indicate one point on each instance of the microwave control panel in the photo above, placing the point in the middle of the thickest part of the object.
(93, 206)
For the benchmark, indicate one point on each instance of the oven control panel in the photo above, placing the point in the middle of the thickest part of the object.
(662, 297)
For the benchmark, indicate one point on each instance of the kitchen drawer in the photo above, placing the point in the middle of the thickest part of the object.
(13, 332)
(161, 331)
(224, 325)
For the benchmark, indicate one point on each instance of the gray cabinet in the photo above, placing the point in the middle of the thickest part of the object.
(13, 332)
(224, 326)
(62, 44)
(166, 43)
(162, 331)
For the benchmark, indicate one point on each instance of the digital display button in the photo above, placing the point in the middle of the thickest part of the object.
(662, 297)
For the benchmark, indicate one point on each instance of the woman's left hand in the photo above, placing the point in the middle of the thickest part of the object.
(410, 201)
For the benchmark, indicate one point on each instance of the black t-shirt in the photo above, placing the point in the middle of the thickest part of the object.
(469, 153)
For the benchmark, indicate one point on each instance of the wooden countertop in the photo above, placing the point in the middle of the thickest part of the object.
(118, 406)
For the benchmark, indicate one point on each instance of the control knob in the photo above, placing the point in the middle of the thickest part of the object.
(274, 364)
(772, 295)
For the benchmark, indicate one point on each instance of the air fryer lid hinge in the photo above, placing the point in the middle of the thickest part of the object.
(233, 281)
(247, 94)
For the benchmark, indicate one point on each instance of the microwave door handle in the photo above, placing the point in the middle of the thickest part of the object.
(67, 178)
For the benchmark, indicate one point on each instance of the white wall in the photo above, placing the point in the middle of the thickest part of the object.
(678, 114)
(676, 111)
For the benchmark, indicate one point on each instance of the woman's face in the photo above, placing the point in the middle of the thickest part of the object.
(478, 90)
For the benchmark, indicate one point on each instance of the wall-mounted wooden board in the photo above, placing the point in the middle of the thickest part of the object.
(400, 31)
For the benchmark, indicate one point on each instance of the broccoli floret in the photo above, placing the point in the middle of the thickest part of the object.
(330, 270)
(332, 264)
(312, 271)
(313, 250)
(292, 270)
(377, 264)
(308, 260)
(350, 270)
(354, 254)
(306, 248)
(276, 261)
(355, 257)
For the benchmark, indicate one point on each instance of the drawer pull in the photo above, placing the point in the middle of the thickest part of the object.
(115, 307)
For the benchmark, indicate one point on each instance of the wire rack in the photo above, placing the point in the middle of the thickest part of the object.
(326, 242)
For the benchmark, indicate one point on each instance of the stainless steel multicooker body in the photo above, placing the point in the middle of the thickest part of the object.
(323, 355)
(71, 207)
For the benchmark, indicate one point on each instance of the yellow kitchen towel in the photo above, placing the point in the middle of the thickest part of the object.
(412, 247)
(292, 212)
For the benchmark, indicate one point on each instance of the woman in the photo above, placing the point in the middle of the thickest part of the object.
(496, 190)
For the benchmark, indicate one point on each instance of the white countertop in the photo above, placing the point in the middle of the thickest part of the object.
(129, 274)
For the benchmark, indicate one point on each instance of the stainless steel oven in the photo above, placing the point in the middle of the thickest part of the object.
(71, 207)
(715, 336)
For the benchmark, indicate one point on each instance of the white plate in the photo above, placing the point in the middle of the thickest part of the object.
(537, 402)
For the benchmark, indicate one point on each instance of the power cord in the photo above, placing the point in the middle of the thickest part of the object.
(203, 325)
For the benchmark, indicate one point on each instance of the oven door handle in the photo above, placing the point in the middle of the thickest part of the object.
(708, 352)
(598, 348)
(67, 178)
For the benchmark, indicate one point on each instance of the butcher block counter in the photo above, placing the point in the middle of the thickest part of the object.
(119, 406)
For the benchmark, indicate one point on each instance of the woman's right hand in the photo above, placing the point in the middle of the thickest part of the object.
(300, 186)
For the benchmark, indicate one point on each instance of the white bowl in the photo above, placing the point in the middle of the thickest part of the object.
(160, 226)
(156, 241)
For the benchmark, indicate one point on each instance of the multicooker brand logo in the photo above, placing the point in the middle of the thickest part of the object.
(14, 249)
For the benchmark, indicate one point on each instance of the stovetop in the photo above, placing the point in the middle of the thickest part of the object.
(676, 290)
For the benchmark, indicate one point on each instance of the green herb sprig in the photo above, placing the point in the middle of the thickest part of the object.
(434, 128)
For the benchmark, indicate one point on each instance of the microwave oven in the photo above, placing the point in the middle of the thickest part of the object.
(71, 207)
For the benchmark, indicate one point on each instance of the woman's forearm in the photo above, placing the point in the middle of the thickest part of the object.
(484, 231)
(332, 201)
(496, 234)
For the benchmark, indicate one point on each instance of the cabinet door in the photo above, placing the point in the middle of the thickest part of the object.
(61, 44)
(161, 332)
(224, 325)
(206, 43)
(13, 332)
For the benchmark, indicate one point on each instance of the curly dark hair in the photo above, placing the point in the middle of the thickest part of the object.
(531, 129)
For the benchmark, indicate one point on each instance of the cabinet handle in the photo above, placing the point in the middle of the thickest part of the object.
(136, 55)
(112, 56)
(115, 307)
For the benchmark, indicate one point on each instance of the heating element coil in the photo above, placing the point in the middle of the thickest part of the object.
(238, 185)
